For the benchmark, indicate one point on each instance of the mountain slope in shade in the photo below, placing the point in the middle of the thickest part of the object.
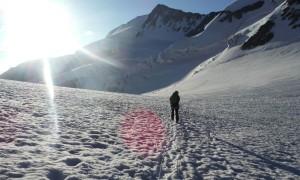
(148, 35)
(33, 71)
(128, 49)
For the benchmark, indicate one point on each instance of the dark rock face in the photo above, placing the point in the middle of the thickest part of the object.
(262, 37)
(291, 2)
(167, 15)
(292, 14)
(171, 18)
(239, 13)
(199, 28)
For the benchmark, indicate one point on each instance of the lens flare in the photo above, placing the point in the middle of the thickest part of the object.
(53, 124)
(95, 57)
(143, 132)
(48, 79)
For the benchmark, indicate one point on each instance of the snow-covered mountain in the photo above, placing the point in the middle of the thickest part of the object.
(264, 52)
(125, 49)
(156, 50)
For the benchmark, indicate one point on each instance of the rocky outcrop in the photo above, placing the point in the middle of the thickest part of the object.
(292, 14)
(175, 21)
(238, 14)
(163, 15)
(291, 2)
(262, 36)
(200, 27)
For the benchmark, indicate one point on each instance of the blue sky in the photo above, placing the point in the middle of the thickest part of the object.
(35, 29)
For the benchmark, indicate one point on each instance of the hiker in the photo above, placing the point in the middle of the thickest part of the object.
(174, 101)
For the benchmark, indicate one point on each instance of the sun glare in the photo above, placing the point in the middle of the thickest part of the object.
(37, 29)
(48, 79)
(53, 121)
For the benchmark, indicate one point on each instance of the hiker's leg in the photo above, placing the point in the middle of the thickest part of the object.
(172, 114)
(177, 116)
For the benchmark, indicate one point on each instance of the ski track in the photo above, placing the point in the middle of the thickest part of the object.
(79, 135)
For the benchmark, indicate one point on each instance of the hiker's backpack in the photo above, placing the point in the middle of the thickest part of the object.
(174, 99)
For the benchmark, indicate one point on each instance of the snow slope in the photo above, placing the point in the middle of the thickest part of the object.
(214, 38)
(145, 35)
(235, 69)
(82, 134)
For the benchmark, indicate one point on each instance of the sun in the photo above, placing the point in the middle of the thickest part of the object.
(37, 29)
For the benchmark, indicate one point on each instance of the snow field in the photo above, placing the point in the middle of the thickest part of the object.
(89, 135)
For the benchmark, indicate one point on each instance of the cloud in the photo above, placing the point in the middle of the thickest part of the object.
(89, 33)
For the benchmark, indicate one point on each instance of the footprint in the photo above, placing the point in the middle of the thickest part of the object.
(95, 132)
(24, 143)
(26, 103)
(94, 136)
(121, 167)
(25, 164)
(75, 151)
(55, 174)
(72, 161)
(43, 132)
(99, 145)
(105, 158)
(14, 175)
(36, 114)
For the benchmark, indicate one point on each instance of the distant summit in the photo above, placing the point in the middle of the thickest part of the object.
(163, 15)
(174, 20)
